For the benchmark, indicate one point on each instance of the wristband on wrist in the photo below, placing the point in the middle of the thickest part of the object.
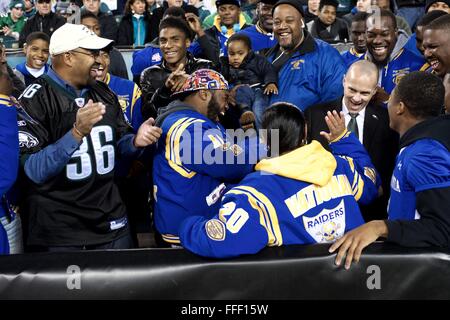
(78, 132)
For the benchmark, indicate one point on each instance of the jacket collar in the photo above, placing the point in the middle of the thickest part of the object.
(434, 128)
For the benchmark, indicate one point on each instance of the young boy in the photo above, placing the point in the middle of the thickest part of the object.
(36, 51)
(251, 74)
(327, 26)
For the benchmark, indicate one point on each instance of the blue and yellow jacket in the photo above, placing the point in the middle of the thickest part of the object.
(9, 149)
(420, 186)
(400, 63)
(129, 96)
(193, 163)
(351, 56)
(422, 164)
(260, 39)
(312, 75)
(305, 196)
(222, 33)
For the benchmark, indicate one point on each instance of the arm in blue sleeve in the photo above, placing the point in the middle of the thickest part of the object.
(48, 162)
(333, 72)
(363, 176)
(217, 157)
(126, 146)
(235, 231)
(9, 148)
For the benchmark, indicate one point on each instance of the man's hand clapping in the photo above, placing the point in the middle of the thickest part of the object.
(87, 117)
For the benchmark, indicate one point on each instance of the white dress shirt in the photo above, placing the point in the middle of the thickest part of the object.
(359, 119)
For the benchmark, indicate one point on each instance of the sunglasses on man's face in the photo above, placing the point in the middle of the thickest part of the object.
(43, 1)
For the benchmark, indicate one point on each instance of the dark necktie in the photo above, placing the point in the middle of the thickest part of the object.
(353, 125)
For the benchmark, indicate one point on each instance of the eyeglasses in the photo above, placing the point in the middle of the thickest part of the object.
(92, 53)
(43, 1)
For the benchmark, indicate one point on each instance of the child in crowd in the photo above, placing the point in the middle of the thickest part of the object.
(251, 74)
(36, 51)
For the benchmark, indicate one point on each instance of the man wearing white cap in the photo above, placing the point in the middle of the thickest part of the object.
(69, 147)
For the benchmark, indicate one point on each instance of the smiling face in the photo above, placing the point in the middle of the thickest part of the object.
(37, 53)
(358, 90)
(78, 63)
(173, 43)
(217, 105)
(381, 38)
(101, 68)
(436, 44)
(264, 12)
(287, 26)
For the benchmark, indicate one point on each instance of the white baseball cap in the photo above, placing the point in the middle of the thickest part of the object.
(73, 36)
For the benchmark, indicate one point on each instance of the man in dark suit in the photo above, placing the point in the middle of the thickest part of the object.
(368, 120)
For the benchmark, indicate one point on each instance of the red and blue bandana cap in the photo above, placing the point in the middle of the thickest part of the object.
(204, 79)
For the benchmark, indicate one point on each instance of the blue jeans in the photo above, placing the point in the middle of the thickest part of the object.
(411, 15)
(255, 99)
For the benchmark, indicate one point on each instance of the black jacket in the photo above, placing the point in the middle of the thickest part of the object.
(433, 227)
(125, 35)
(47, 24)
(108, 25)
(66, 210)
(337, 33)
(18, 85)
(155, 94)
(254, 69)
(380, 141)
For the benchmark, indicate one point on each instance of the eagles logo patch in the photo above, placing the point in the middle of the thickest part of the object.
(215, 229)
(27, 140)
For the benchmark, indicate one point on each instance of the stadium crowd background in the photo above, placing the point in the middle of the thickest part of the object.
(211, 32)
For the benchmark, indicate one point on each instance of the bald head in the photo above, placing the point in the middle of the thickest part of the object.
(363, 69)
(360, 84)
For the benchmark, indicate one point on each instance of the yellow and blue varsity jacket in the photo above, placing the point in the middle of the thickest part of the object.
(194, 163)
(308, 195)
(401, 63)
(129, 96)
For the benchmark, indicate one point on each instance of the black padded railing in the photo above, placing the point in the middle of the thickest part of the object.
(290, 272)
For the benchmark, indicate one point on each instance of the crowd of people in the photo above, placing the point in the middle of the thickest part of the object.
(240, 129)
